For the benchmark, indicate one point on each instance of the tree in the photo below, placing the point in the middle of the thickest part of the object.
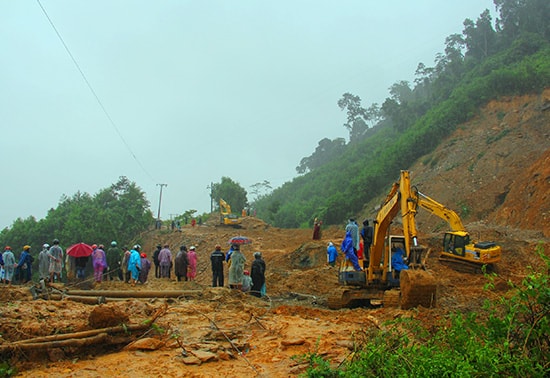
(325, 152)
(231, 192)
(519, 16)
(480, 38)
(119, 213)
(260, 188)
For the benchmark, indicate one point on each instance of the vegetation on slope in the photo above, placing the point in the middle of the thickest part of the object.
(479, 65)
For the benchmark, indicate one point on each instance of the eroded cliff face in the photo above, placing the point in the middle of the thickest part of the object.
(494, 169)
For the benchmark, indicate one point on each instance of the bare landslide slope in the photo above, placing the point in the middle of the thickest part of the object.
(496, 176)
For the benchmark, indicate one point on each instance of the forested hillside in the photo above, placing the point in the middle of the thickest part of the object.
(488, 60)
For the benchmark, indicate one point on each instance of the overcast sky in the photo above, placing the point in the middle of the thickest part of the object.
(192, 90)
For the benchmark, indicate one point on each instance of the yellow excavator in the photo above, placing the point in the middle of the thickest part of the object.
(459, 251)
(379, 281)
(227, 218)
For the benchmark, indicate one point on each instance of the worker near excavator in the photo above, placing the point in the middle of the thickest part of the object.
(353, 229)
(349, 251)
(332, 254)
(366, 234)
(398, 260)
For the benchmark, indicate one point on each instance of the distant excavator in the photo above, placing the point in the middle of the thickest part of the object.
(227, 218)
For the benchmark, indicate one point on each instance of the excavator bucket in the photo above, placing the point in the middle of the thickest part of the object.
(418, 288)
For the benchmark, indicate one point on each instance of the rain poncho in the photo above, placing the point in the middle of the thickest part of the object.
(332, 253)
(56, 259)
(43, 264)
(145, 267)
(236, 270)
(192, 271)
(134, 264)
(257, 273)
(181, 264)
(165, 262)
(347, 248)
(397, 260)
(9, 264)
(353, 229)
(99, 262)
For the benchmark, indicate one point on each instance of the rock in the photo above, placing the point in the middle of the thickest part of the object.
(191, 360)
(147, 343)
(56, 354)
(204, 356)
(104, 316)
(291, 342)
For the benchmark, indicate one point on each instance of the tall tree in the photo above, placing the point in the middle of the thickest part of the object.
(480, 38)
(325, 152)
(231, 192)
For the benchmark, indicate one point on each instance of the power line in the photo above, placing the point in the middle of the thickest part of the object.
(94, 93)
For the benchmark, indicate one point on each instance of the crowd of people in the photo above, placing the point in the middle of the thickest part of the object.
(131, 265)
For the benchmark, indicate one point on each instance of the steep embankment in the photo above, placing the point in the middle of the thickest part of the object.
(494, 168)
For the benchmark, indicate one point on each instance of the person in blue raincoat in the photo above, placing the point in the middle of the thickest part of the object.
(349, 250)
(397, 260)
(134, 263)
(332, 254)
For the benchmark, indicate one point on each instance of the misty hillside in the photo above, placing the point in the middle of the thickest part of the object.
(423, 127)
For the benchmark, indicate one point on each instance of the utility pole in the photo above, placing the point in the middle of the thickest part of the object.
(211, 187)
(160, 199)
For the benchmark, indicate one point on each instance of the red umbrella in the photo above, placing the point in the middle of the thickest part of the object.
(240, 240)
(80, 250)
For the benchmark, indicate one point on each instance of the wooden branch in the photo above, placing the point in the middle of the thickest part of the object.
(82, 338)
(135, 294)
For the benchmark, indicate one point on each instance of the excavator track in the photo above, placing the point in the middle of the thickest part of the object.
(338, 298)
(392, 298)
(465, 266)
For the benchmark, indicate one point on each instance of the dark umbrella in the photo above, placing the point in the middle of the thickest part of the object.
(80, 250)
(240, 240)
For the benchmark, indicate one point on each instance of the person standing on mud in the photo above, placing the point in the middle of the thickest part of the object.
(181, 264)
(217, 258)
(113, 261)
(192, 257)
(55, 255)
(9, 265)
(134, 264)
(317, 229)
(156, 260)
(99, 262)
(44, 263)
(124, 264)
(165, 261)
(257, 272)
(332, 254)
(236, 269)
(24, 267)
(145, 267)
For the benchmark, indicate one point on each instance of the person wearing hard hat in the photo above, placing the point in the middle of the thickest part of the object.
(24, 267)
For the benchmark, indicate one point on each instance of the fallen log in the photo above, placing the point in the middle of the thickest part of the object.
(109, 335)
(84, 334)
(86, 341)
(79, 298)
(135, 294)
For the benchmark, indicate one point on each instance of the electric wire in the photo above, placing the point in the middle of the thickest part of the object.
(94, 93)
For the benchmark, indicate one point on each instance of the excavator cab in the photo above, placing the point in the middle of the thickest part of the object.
(455, 243)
